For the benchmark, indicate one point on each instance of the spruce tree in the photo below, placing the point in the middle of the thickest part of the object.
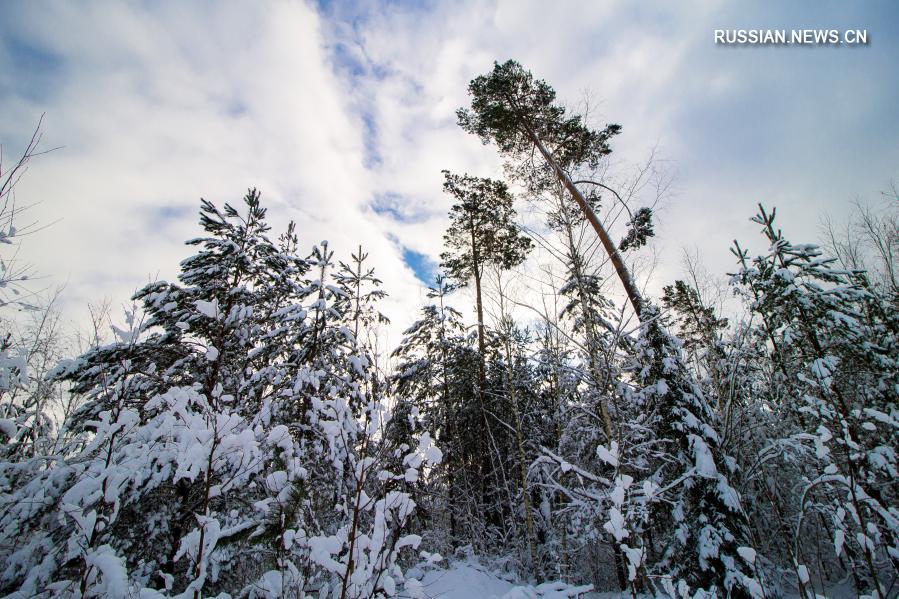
(834, 335)
(434, 376)
(482, 233)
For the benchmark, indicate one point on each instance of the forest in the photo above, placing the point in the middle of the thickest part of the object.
(240, 432)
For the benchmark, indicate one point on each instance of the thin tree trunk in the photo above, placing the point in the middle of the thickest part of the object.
(624, 274)
(592, 350)
(590, 325)
(482, 346)
(357, 508)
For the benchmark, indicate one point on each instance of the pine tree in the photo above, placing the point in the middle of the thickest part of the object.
(187, 380)
(482, 234)
(699, 329)
(217, 434)
(519, 114)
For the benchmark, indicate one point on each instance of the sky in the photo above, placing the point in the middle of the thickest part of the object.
(343, 115)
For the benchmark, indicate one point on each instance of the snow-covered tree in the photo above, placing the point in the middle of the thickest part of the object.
(436, 375)
(833, 337)
(216, 433)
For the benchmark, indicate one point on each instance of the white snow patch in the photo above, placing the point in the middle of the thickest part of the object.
(610, 455)
(705, 463)
(8, 427)
(210, 309)
(465, 580)
(747, 553)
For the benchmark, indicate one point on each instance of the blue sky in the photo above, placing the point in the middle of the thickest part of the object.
(342, 114)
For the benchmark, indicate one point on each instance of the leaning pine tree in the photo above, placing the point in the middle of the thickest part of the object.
(520, 115)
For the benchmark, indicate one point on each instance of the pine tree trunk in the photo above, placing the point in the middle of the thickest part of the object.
(482, 346)
(624, 274)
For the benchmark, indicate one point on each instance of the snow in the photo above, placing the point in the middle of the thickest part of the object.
(705, 463)
(635, 557)
(882, 417)
(408, 541)
(747, 553)
(839, 537)
(784, 273)
(210, 309)
(7, 427)
(649, 489)
(321, 551)
(113, 577)
(469, 579)
(609, 456)
(616, 526)
(433, 455)
(271, 583)
(126, 337)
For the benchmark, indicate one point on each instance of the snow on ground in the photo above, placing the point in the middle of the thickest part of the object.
(470, 580)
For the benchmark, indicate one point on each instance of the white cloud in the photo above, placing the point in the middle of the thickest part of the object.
(783, 126)
(159, 105)
(157, 109)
